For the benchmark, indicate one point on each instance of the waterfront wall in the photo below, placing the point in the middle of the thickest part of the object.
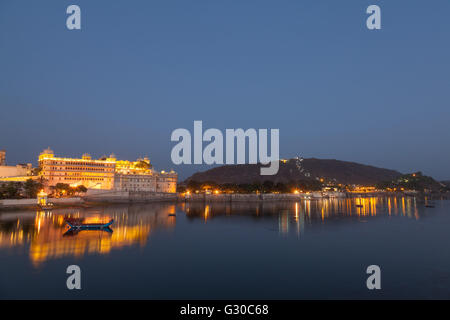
(66, 201)
(12, 203)
(17, 202)
(152, 196)
(114, 196)
(106, 196)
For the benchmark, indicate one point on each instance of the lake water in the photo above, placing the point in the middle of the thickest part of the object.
(292, 250)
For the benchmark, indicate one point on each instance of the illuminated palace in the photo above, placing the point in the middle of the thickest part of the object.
(106, 173)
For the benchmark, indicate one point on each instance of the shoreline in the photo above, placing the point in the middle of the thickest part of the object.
(142, 197)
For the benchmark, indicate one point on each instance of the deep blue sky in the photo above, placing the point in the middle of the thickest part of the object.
(139, 69)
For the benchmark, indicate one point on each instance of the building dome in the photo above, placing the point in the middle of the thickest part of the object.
(47, 153)
(86, 156)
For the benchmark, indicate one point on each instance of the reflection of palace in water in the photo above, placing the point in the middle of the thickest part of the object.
(44, 232)
(44, 235)
(295, 215)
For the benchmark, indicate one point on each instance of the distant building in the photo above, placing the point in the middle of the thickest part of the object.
(106, 173)
(20, 170)
(2, 158)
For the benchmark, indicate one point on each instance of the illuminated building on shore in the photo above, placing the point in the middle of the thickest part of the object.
(106, 173)
(166, 182)
(139, 176)
(93, 174)
(135, 176)
(135, 182)
(364, 189)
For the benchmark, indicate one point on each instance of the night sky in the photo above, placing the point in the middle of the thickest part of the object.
(140, 69)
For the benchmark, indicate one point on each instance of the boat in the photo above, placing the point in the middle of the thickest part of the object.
(74, 231)
(77, 225)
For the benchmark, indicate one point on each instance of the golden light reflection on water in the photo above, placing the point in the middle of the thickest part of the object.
(360, 208)
(296, 215)
(206, 214)
(44, 233)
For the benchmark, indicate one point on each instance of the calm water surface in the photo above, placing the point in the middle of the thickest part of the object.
(290, 250)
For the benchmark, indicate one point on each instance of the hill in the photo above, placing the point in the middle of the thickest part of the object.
(299, 169)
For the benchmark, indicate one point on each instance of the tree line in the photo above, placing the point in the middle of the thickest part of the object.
(30, 188)
(261, 187)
